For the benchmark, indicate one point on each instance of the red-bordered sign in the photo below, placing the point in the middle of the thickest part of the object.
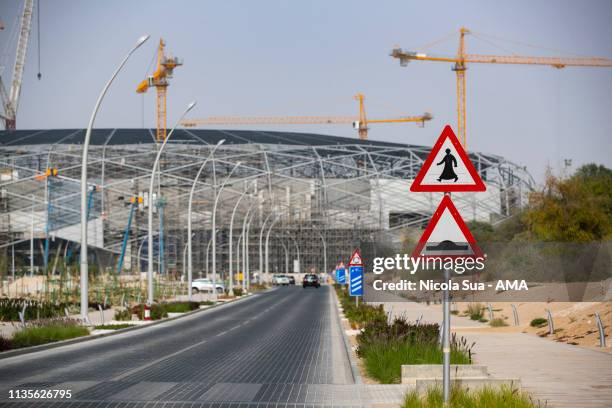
(461, 243)
(356, 259)
(458, 173)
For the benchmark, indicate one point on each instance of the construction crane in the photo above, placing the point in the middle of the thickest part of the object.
(10, 100)
(159, 80)
(462, 58)
(359, 122)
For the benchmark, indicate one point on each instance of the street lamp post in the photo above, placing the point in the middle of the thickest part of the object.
(214, 226)
(150, 212)
(189, 241)
(231, 230)
(84, 264)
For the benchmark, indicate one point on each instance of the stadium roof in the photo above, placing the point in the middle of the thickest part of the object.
(197, 136)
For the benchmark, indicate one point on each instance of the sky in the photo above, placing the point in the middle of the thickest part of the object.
(275, 58)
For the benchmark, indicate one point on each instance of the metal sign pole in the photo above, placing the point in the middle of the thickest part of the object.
(446, 352)
(446, 339)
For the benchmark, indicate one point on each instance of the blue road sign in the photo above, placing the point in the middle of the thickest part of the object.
(356, 280)
(341, 276)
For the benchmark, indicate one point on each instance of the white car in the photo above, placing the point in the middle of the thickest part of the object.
(206, 285)
(280, 280)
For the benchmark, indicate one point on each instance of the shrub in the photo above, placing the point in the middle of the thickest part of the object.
(460, 397)
(56, 331)
(238, 292)
(498, 322)
(475, 311)
(385, 347)
(157, 311)
(112, 326)
(123, 315)
(180, 307)
(539, 322)
(10, 309)
(207, 303)
(5, 344)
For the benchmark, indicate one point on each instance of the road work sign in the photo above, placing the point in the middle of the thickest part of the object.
(447, 168)
(356, 274)
(447, 235)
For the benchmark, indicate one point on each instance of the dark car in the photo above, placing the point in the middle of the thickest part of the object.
(291, 280)
(311, 280)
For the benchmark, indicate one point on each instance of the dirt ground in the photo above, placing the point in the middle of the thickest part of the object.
(574, 322)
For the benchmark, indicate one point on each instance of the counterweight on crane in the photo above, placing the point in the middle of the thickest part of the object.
(461, 59)
(159, 80)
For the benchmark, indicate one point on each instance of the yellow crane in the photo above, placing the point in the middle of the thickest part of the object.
(462, 58)
(159, 80)
(359, 122)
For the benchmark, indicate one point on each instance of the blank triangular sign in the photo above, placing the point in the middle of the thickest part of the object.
(447, 168)
(447, 235)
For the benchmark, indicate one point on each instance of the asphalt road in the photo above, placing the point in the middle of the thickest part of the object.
(283, 346)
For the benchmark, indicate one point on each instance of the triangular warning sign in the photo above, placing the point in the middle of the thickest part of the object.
(356, 258)
(447, 236)
(447, 168)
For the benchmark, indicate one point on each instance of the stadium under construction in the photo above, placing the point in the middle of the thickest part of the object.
(310, 197)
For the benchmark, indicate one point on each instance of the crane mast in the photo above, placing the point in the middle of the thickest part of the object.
(11, 101)
(462, 58)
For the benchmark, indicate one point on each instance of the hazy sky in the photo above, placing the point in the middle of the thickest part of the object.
(310, 57)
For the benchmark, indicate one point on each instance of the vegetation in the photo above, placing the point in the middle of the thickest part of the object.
(180, 307)
(539, 322)
(157, 311)
(206, 303)
(503, 397)
(123, 315)
(10, 309)
(238, 292)
(475, 311)
(47, 332)
(113, 326)
(359, 316)
(385, 347)
(498, 322)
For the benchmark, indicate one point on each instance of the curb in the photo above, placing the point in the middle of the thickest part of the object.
(82, 339)
(347, 345)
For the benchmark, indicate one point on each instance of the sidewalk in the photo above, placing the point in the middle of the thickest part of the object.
(561, 374)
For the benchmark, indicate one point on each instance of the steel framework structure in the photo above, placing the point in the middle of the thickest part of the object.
(343, 190)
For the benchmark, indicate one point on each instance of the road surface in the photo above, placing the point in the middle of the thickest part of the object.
(283, 346)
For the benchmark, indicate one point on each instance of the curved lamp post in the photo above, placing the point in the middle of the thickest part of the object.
(214, 227)
(84, 265)
(189, 241)
(150, 212)
(231, 236)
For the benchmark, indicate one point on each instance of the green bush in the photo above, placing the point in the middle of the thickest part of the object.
(488, 397)
(238, 291)
(157, 311)
(385, 347)
(475, 311)
(123, 315)
(10, 309)
(180, 307)
(113, 326)
(5, 344)
(539, 322)
(56, 331)
(498, 322)
(206, 303)
(360, 315)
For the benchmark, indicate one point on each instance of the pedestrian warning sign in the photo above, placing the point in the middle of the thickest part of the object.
(447, 235)
(447, 168)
